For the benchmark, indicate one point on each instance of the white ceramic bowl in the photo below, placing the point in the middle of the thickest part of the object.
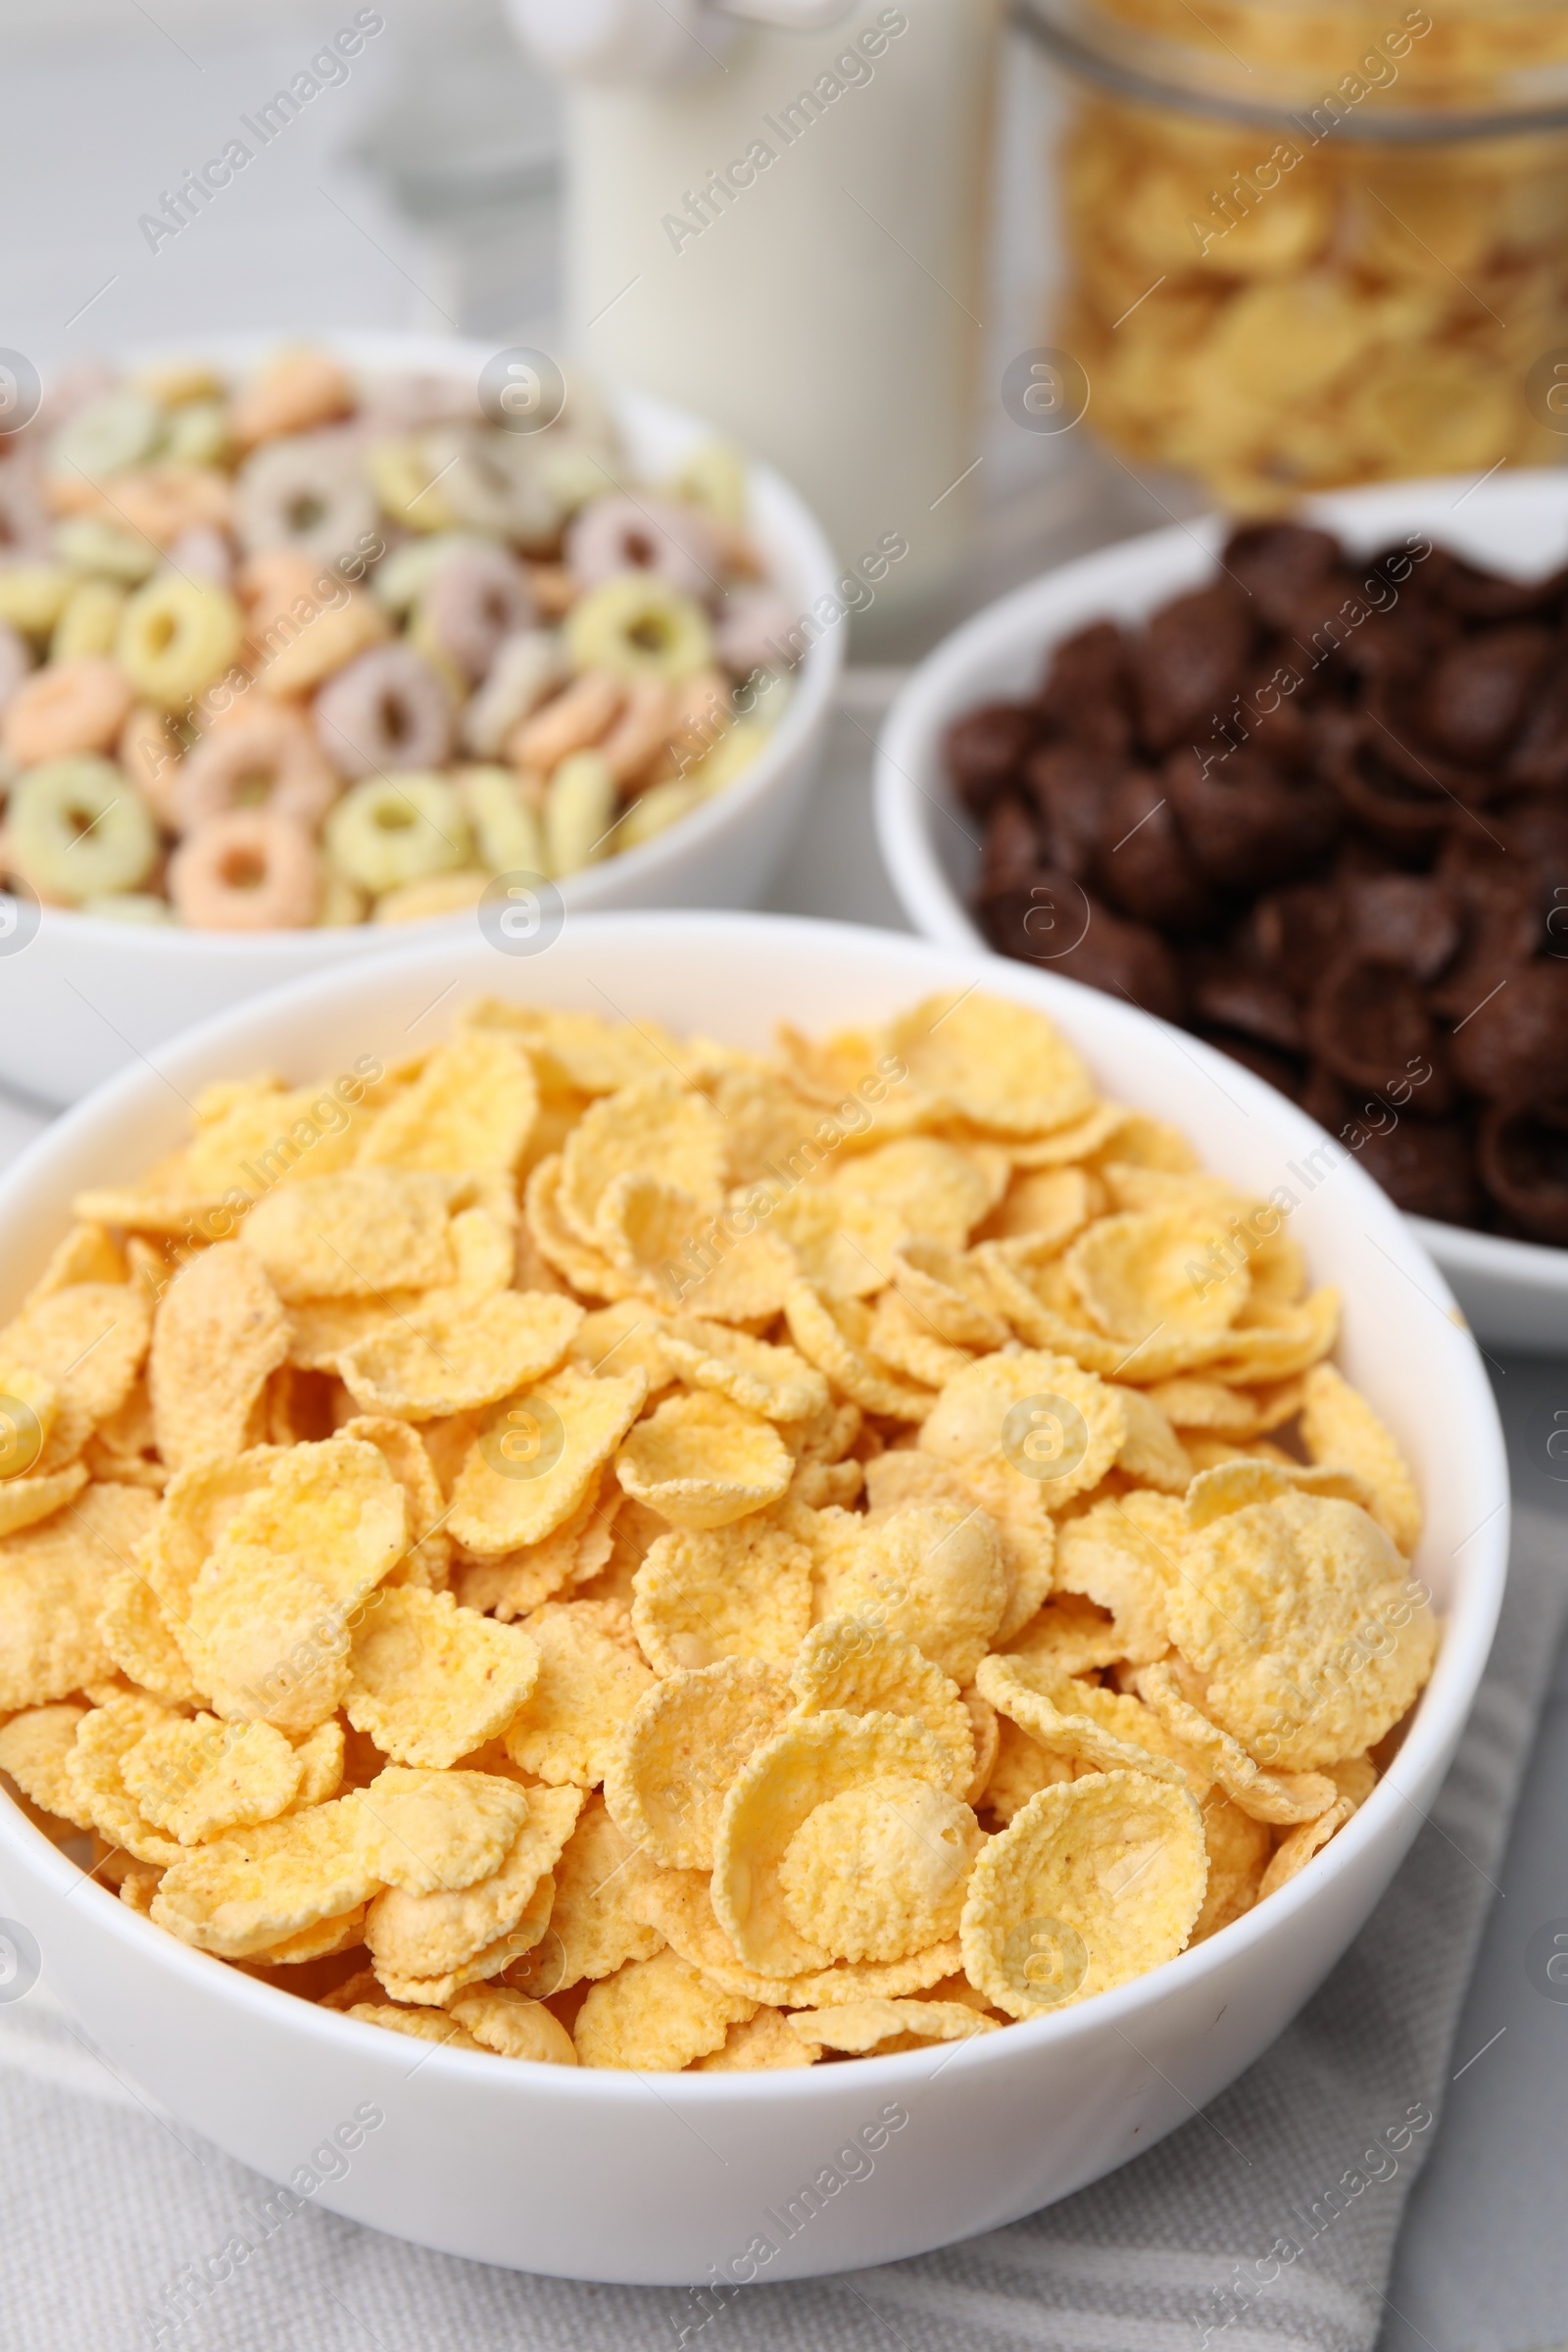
(659, 2178)
(1514, 1293)
(85, 997)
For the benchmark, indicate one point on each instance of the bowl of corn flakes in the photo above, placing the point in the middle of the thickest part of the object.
(1302, 788)
(744, 1510)
(301, 645)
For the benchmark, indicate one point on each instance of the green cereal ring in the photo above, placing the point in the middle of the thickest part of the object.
(176, 636)
(637, 626)
(89, 625)
(393, 829)
(579, 812)
(404, 577)
(76, 830)
(403, 479)
(88, 544)
(198, 434)
(114, 431)
(505, 827)
(32, 596)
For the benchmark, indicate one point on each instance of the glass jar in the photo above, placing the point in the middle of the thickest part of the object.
(1312, 244)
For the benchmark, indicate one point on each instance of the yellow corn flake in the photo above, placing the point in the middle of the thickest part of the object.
(834, 1334)
(1190, 1403)
(878, 1871)
(52, 1582)
(1341, 1430)
(586, 1268)
(95, 1775)
(844, 1244)
(570, 1554)
(581, 1050)
(85, 1253)
(1272, 1796)
(740, 1592)
(1356, 1778)
(1122, 1554)
(89, 1341)
(29, 1410)
(199, 1776)
(1298, 1846)
(628, 1335)
(985, 1731)
(36, 1750)
(937, 1190)
(948, 1291)
(655, 2015)
(1151, 1451)
(514, 2026)
(428, 1936)
(1239, 1849)
(421, 2025)
(1019, 1770)
(1159, 1270)
(681, 1748)
(1250, 1476)
(672, 1248)
(931, 1572)
(899, 1336)
(1290, 1342)
(595, 1927)
(1041, 1418)
(265, 1639)
(430, 1682)
(219, 1333)
(1049, 1205)
(322, 1941)
(1092, 1882)
(138, 1888)
(430, 1831)
(471, 1108)
(321, 1330)
(677, 1903)
(427, 1558)
(320, 1754)
(996, 1062)
(454, 1354)
(701, 1461)
(659, 1129)
(502, 1500)
(590, 1680)
(1299, 1612)
(197, 1505)
(763, 2045)
(23, 1501)
(1104, 1728)
(1025, 1532)
(269, 1132)
(774, 1382)
(860, 2027)
(518, 1947)
(355, 1235)
(812, 1760)
(856, 1666)
(336, 1506)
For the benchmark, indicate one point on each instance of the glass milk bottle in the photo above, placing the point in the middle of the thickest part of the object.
(781, 225)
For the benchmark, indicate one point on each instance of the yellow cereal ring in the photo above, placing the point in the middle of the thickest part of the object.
(32, 596)
(90, 621)
(401, 475)
(117, 429)
(579, 812)
(505, 826)
(637, 626)
(76, 830)
(389, 830)
(198, 434)
(176, 636)
(438, 894)
(714, 477)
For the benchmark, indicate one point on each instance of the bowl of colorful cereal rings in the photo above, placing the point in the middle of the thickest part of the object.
(1300, 787)
(302, 644)
(780, 1589)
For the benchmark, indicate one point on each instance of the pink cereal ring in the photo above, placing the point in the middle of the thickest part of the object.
(752, 631)
(250, 870)
(478, 598)
(67, 707)
(267, 758)
(619, 534)
(386, 710)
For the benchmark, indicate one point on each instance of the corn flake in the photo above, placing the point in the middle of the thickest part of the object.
(1339, 1428)
(590, 1680)
(471, 1108)
(656, 2014)
(219, 1333)
(454, 1354)
(355, 1235)
(681, 1748)
(429, 1681)
(514, 2026)
(495, 1510)
(701, 1461)
(740, 1592)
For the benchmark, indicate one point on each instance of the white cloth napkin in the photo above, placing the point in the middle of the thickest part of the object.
(106, 2201)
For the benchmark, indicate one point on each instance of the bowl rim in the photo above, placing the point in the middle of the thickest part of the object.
(1047, 609)
(787, 520)
(1440, 1713)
